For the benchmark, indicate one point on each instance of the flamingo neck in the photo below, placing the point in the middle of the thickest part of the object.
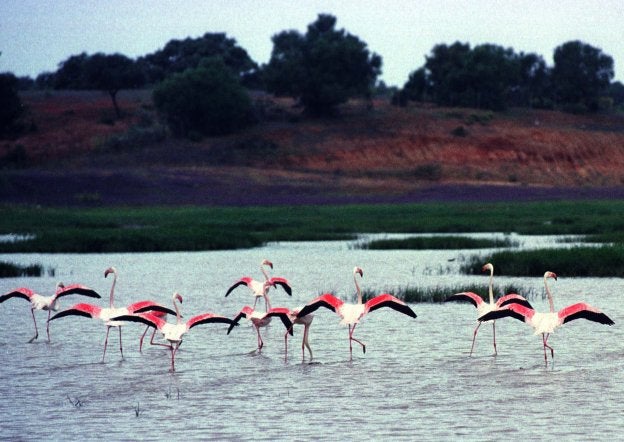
(268, 303)
(266, 276)
(357, 289)
(177, 310)
(112, 291)
(491, 285)
(550, 298)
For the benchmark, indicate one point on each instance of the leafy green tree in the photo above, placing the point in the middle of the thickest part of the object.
(447, 73)
(323, 68)
(417, 85)
(581, 75)
(11, 108)
(206, 100)
(180, 55)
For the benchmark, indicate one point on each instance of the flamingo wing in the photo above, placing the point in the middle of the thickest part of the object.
(387, 300)
(207, 318)
(585, 311)
(284, 314)
(471, 297)
(513, 298)
(86, 310)
(144, 318)
(77, 289)
(282, 282)
(245, 312)
(243, 281)
(327, 300)
(21, 292)
(517, 311)
(149, 306)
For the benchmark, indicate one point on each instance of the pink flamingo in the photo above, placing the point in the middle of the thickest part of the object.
(351, 314)
(259, 289)
(106, 314)
(161, 315)
(486, 307)
(174, 332)
(259, 320)
(306, 321)
(49, 303)
(546, 323)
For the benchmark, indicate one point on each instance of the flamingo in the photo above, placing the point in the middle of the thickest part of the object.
(158, 314)
(106, 314)
(259, 319)
(486, 307)
(174, 332)
(306, 321)
(259, 289)
(546, 323)
(49, 303)
(351, 314)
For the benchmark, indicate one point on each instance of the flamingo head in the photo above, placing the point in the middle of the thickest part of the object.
(356, 269)
(489, 266)
(178, 297)
(552, 275)
(59, 286)
(112, 270)
(266, 262)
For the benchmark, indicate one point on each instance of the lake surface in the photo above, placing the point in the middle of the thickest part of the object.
(416, 380)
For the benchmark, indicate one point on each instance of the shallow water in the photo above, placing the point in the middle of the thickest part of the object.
(415, 381)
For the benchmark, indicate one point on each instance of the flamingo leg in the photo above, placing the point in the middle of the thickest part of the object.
(142, 337)
(105, 342)
(474, 337)
(174, 349)
(32, 312)
(304, 343)
(552, 350)
(494, 335)
(286, 343)
(120, 346)
(351, 338)
(48, 325)
(260, 342)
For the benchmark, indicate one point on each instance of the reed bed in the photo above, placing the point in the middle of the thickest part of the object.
(437, 243)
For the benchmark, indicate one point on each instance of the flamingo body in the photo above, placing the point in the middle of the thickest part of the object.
(259, 289)
(545, 323)
(260, 319)
(48, 303)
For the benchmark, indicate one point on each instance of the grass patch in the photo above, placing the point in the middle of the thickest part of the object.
(437, 243)
(603, 261)
(438, 294)
(98, 230)
(11, 270)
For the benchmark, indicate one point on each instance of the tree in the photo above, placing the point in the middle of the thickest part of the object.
(581, 74)
(207, 100)
(446, 72)
(108, 73)
(180, 55)
(11, 108)
(323, 68)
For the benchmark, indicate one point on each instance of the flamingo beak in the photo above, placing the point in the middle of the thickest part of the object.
(108, 270)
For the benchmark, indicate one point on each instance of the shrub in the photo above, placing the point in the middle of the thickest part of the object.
(208, 100)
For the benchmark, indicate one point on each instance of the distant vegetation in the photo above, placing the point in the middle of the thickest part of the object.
(10, 270)
(125, 229)
(576, 261)
(326, 66)
(437, 243)
(413, 294)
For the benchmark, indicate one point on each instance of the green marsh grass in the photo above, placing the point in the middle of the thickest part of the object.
(437, 294)
(11, 270)
(437, 243)
(140, 229)
(600, 261)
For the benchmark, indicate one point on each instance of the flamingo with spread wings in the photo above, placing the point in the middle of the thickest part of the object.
(546, 323)
(106, 315)
(260, 289)
(484, 307)
(260, 320)
(174, 332)
(49, 303)
(351, 314)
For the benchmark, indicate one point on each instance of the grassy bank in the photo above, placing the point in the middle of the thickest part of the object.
(576, 261)
(437, 243)
(126, 229)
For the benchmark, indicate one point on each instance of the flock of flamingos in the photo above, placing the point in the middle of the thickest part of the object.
(154, 315)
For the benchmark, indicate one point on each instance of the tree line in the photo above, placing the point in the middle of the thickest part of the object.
(201, 84)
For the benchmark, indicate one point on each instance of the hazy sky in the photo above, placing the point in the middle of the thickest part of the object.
(36, 35)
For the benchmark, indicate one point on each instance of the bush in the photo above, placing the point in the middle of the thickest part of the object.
(208, 100)
(11, 108)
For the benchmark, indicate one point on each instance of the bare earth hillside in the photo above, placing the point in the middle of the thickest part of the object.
(77, 154)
